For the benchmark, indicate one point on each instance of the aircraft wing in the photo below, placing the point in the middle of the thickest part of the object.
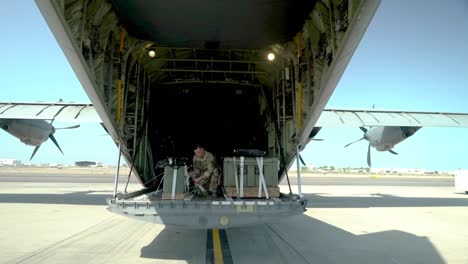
(356, 118)
(61, 111)
(82, 113)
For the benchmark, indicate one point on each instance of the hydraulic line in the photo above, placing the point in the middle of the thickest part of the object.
(134, 157)
(299, 79)
(140, 138)
(119, 80)
(278, 139)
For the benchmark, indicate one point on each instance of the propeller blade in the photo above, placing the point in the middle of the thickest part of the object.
(393, 152)
(368, 156)
(363, 129)
(34, 152)
(55, 142)
(302, 161)
(70, 127)
(353, 142)
(318, 139)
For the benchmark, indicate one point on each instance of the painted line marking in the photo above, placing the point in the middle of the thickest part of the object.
(217, 247)
(218, 254)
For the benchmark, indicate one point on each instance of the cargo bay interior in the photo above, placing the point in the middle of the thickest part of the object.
(168, 74)
(215, 98)
(213, 85)
(222, 117)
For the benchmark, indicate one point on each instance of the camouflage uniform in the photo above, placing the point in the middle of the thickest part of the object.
(207, 166)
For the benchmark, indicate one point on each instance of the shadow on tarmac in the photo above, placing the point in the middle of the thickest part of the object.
(299, 239)
(380, 200)
(176, 243)
(319, 242)
(75, 198)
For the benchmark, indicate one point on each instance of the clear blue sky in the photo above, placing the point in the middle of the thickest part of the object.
(414, 56)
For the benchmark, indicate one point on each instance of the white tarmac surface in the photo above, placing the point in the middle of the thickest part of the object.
(47, 222)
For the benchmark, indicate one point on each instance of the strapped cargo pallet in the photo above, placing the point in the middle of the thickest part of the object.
(251, 177)
(174, 186)
(252, 192)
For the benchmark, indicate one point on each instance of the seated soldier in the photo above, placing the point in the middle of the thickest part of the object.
(206, 172)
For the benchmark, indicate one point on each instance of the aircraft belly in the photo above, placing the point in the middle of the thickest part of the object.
(207, 214)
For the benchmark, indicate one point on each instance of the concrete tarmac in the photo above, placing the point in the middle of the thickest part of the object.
(65, 222)
(306, 180)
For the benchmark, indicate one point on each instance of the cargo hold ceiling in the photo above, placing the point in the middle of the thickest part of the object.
(225, 24)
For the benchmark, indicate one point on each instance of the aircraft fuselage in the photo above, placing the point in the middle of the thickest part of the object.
(165, 75)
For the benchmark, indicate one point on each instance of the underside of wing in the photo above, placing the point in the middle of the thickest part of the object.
(63, 112)
(358, 118)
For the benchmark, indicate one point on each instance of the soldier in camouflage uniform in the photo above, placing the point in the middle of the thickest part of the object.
(206, 171)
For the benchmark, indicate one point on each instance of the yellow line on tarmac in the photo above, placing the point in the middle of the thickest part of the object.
(218, 255)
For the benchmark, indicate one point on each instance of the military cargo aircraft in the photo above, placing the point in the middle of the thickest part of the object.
(401, 125)
(251, 75)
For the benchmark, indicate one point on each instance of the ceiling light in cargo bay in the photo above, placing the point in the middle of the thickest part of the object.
(152, 53)
(271, 56)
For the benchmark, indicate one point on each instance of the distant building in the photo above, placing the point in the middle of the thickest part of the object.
(85, 163)
(10, 162)
(399, 171)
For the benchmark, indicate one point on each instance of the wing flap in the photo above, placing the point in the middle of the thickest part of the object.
(63, 112)
(356, 118)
